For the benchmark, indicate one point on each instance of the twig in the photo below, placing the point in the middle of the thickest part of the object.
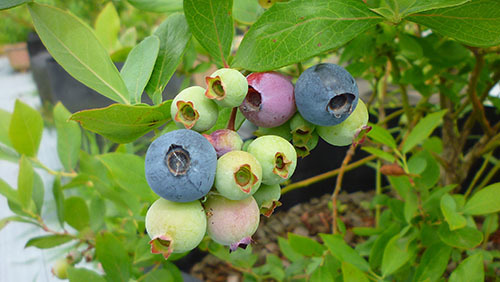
(326, 175)
(477, 175)
(338, 184)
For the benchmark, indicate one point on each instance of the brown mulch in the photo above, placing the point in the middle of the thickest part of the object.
(307, 219)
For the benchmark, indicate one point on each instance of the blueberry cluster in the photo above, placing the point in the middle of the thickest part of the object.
(216, 184)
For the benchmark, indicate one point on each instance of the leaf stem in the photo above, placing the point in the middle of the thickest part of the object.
(51, 171)
(338, 185)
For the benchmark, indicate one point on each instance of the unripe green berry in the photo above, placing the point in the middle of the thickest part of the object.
(192, 110)
(227, 87)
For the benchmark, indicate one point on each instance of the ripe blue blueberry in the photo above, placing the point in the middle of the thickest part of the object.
(180, 165)
(326, 94)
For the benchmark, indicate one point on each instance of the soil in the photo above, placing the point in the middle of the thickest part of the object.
(307, 219)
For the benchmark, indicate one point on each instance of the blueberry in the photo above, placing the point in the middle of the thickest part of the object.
(175, 227)
(269, 101)
(224, 140)
(326, 94)
(344, 133)
(227, 87)
(304, 149)
(238, 175)
(276, 156)
(180, 165)
(267, 198)
(231, 223)
(60, 268)
(192, 110)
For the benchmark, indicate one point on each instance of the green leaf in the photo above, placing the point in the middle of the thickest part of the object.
(25, 130)
(211, 23)
(7, 4)
(75, 47)
(124, 123)
(131, 176)
(410, 47)
(407, 7)
(396, 255)
(484, 201)
(377, 251)
(344, 252)
(352, 273)
(411, 205)
(113, 256)
(288, 251)
(107, 26)
(470, 270)
(76, 212)
(158, 6)
(49, 241)
(305, 246)
(129, 37)
(83, 275)
(97, 212)
(8, 192)
(139, 66)
(246, 11)
(379, 153)
(59, 200)
(490, 224)
(382, 136)
(25, 182)
(474, 23)
(6, 220)
(423, 130)
(38, 193)
(69, 137)
(322, 274)
(294, 31)
(449, 210)
(433, 263)
(159, 275)
(5, 118)
(174, 35)
(465, 238)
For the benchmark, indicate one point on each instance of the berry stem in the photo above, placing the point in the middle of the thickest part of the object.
(232, 119)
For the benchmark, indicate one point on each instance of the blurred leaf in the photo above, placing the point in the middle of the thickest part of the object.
(76, 48)
(343, 252)
(124, 123)
(7, 4)
(5, 118)
(396, 255)
(449, 210)
(423, 130)
(76, 212)
(107, 26)
(6, 220)
(465, 238)
(410, 48)
(411, 205)
(8, 154)
(159, 275)
(121, 54)
(129, 37)
(470, 270)
(174, 35)
(484, 201)
(288, 251)
(25, 182)
(246, 11)
(49, 241)
(356, 69)
(38, 194)
(8, 192)
(211, 23)
(433, 263)
(25, 130)
(322, 274)
(69, 137)
(474, 23)
(417, 164)
(113, 257)
(158, 6)
(295, 31)
(379, 153)
(83, 275)
(402, 8)
(59, 200)
(490, 224)
(139, 66)
(351, 273)
(382, 136)
(305, 246)
(431, 174)
(97, 213)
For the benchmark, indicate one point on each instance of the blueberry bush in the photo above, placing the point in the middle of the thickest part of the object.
(144, 184)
